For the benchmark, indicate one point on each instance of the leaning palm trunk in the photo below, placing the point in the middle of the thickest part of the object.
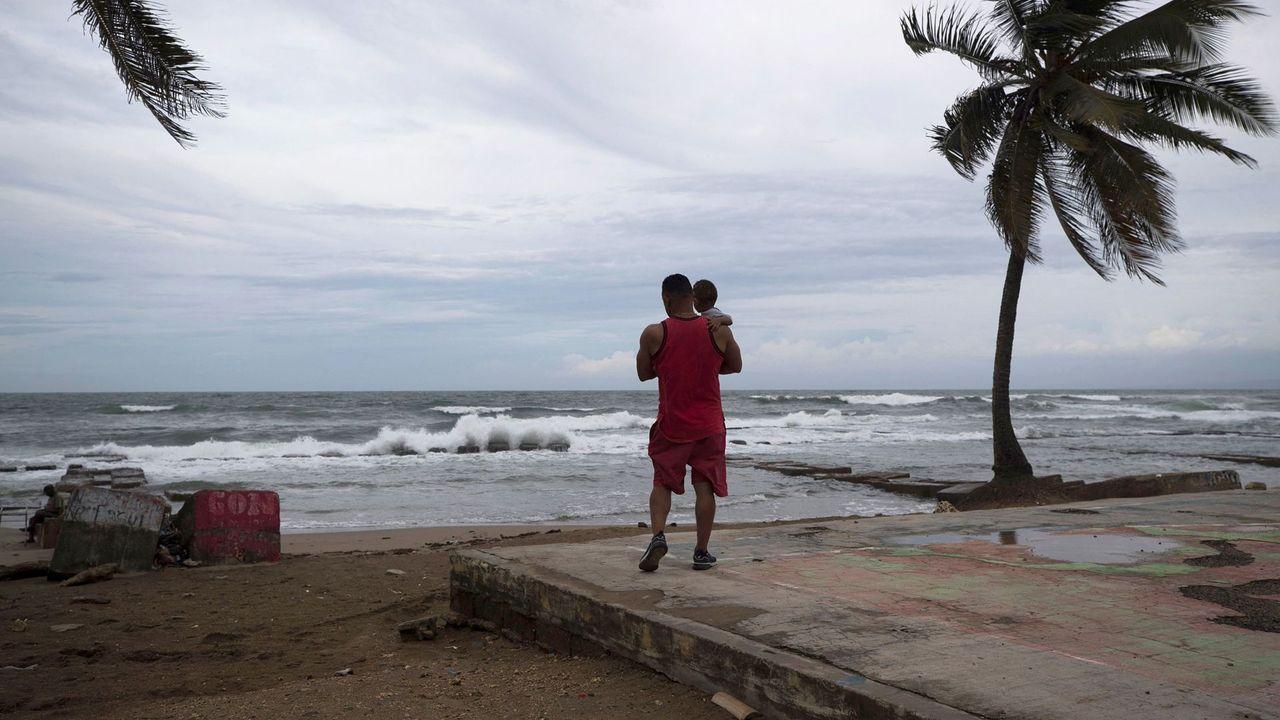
(1010, 463)
(1073, 94)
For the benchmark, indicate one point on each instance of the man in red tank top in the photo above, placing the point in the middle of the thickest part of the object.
(688, 357)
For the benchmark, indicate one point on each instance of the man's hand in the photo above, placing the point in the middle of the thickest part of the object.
(650, 342)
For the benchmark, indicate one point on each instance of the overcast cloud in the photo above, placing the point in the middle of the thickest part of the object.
(487, 195)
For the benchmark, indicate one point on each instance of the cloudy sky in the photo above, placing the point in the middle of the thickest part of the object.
(487, 195)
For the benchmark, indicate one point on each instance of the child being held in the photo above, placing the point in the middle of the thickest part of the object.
(704, 301)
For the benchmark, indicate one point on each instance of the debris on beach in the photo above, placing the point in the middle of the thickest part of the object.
(945, 507)
(219, 526)
(1255, 485)
(105, 526)
(394, 571)
(97, 573)
(120, 478)
(735, 707)
(25, 570)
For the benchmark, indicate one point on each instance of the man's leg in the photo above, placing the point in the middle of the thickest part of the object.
(704, 511)
(659, 508)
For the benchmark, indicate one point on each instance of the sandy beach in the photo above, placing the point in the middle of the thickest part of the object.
(266, 640)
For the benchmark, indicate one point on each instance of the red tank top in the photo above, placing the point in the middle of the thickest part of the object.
(688, 367)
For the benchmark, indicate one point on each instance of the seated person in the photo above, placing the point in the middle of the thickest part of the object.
(52, 509)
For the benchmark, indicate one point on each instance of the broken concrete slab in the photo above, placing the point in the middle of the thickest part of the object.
(1023, 614)
(220, 526)
(1265, 460)
(108, 526)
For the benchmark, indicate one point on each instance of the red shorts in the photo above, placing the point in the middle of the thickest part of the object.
(705, 457)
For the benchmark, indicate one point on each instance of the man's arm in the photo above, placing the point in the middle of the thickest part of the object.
(724, 340)
(715, 322)
(650, 341)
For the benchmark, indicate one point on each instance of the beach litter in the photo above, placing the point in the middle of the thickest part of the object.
(25, 570)
(65, 627)
(97, 573)
(735, 707)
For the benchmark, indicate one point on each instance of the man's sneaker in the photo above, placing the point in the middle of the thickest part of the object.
(703, 560)
(653, 554)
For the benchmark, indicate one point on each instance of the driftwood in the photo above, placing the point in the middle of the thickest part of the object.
(735, 707)
(97, 573)
(24, 570)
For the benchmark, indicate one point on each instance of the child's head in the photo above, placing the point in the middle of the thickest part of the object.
(704, 295)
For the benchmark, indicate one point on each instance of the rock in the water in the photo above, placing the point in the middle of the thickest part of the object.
(8, 468)
(498, 446)
(468, 449)
(738, 442)
(43, 466)
(558, 447)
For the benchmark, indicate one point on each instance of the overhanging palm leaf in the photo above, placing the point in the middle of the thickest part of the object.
(157, 69)
(1073, 93)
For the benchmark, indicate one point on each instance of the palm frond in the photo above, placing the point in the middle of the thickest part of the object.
(1153, 128)
(157, 69)
(960, 34)
(1061, 27)
(1066, 201)
(1084, 103)
(1191, 30)
(1219, 92)
(1015, 199)
(1011, 17)
(1130, 201)
(971, 127)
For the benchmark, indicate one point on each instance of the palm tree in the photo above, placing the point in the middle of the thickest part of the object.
(157, 69)
(1073, 94)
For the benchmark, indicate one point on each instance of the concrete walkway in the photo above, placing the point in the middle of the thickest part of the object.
(1157, 608)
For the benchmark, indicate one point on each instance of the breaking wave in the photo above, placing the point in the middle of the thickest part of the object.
(896, 398)
(469, 409)
(147, 408)
(469, 430)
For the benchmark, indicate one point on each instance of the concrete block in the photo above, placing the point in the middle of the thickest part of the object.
(103, 526)
(1132, 486)
(231, 525)
(49, 531)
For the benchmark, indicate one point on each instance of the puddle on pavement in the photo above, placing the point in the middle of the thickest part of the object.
(1101, 548)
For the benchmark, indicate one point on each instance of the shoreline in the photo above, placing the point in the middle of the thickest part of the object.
(428, 537)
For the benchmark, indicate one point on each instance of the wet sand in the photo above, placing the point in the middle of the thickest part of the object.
(266, 640)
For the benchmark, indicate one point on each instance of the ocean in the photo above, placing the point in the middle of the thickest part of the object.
(389, 459)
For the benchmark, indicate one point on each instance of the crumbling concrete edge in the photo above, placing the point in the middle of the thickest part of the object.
(572, 617)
